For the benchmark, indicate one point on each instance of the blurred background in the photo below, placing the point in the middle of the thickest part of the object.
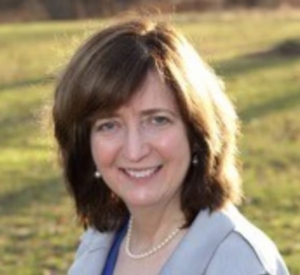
(16, 10)
(254, 45)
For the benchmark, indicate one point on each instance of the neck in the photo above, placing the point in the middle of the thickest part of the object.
(151, 226)
(154, 249)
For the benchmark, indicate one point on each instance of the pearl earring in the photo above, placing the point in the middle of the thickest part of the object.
(195, 160)
(97, 175)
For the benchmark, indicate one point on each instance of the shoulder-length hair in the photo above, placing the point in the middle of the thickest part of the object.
(104, 74)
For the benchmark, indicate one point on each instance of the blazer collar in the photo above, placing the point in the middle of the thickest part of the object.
(195, 251)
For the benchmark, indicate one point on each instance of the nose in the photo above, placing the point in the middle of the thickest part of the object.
(136, 146)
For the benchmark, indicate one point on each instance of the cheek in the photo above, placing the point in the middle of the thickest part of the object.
(174, 145)
(103, 152)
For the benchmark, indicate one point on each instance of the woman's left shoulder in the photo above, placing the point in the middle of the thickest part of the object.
(246, 250)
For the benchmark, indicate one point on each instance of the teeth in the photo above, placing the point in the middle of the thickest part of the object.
(140, 173)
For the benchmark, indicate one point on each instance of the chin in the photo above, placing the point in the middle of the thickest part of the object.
(144, 201)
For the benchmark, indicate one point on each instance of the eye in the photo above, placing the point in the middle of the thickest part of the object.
(159, 120)
(106, 126)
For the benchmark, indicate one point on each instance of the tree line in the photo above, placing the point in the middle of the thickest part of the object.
(75, 9)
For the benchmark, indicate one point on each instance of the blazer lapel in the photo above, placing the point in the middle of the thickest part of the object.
(92, 253)
(193, 254)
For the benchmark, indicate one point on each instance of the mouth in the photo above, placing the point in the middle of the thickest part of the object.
(141, 173)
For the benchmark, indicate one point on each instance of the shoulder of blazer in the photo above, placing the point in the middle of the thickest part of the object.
(262, 245)
(92, 239)
(91, 253)
(247, 250)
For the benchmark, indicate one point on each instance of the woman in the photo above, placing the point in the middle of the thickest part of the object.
(148, 141)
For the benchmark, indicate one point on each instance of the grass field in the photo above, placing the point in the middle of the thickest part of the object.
(38, 230)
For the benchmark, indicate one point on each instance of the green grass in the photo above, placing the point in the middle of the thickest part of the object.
(38, 230)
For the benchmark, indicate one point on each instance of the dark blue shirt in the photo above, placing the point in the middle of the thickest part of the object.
(114, 251)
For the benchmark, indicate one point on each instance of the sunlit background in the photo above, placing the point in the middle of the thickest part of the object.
(254, 45)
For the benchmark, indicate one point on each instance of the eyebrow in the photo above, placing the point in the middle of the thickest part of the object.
(147, 112)
(157, 110)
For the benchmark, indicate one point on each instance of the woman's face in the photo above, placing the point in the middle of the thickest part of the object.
(142, 150)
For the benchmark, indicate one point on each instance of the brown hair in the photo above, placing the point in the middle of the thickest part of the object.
(104, 74)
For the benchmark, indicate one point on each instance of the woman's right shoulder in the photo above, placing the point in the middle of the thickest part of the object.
(92, 239)
(92, 249)
(85, 240)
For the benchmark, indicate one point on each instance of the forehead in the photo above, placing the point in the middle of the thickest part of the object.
(152, 94)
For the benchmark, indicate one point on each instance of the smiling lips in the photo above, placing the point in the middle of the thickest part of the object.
(141, 173)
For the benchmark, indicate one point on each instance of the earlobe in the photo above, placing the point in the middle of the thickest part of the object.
(195, 160)
(195, 150)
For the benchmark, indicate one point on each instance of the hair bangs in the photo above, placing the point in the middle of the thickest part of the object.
(130, 62)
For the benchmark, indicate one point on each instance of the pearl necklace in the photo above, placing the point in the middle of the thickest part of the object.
(153, 249)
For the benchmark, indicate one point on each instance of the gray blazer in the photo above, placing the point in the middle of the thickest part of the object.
(220, 243)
